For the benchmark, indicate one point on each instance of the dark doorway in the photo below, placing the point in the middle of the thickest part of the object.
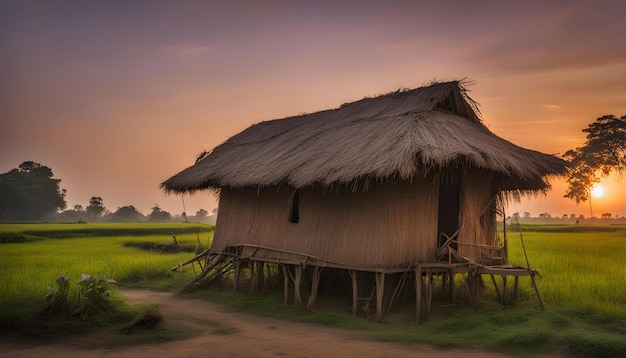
(449, 207)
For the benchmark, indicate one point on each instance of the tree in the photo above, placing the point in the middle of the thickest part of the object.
(201, 213)
(30, 193)
(159, 215)
(126, 214)
(96, 208)
(603, 152)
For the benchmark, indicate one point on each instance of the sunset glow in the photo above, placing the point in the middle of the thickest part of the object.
(116, 97)
(597, 191)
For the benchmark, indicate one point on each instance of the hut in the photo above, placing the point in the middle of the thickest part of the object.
(406, 183)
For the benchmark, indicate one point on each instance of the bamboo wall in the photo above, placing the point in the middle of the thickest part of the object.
(390, 225)
(477, 216)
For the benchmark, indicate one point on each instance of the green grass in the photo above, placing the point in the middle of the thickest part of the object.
(582, 283)
(29, 268)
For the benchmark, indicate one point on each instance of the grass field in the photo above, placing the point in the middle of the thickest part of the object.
(33, 256)
(582, 283)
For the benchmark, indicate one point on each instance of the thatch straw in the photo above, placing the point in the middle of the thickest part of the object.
(401, 135)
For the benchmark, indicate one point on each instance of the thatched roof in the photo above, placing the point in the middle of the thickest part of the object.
(399, 135)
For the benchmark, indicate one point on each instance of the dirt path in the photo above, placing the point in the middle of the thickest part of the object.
(218, 333)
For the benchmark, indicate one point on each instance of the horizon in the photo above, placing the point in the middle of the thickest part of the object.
(117, 97)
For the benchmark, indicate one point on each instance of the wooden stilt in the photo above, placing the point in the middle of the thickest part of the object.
(504, 289)
(296, 285)
(495, 284)
(314, 283)
(429, 291)
(236, 274)
(261, 276)
(380, 291)
(418, 292)
(515, 290)
(452, 295)
(534, 279)
(355, 291)
(285, 282)
(253, 277)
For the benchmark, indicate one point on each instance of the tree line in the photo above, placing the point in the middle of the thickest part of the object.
(30, 193)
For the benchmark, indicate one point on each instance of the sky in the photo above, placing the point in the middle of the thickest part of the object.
(117, 96)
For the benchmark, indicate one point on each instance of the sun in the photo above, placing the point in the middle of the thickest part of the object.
(597, 191)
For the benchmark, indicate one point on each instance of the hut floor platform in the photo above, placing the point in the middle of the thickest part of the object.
(217, 266)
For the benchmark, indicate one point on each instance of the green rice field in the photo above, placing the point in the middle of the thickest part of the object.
(583, 284)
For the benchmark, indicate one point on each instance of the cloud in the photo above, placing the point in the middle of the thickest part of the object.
(187, 50)
(551, 107)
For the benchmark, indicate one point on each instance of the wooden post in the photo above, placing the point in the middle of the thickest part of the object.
(314, 283)
(296, 285)
(452, 287)
(252, 277)
(495, 284)
(503, 289)
(285, 282)
(380, 292)
(261, 275)
(532, 277)
(429, 289)
(515, 290)
(355, 291)
(236, 274)
(418, 292)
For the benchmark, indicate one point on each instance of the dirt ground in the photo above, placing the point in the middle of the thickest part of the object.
(216, 332)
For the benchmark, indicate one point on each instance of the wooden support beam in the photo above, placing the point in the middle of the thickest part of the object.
(260, 282)
(252, 277)
(380, 293)
(285, 282)
(534, 279)
(296, 286)
(418, 291)
(314, 284)
(236, 274)
(515, 290)
(495, 285)
(355, 291)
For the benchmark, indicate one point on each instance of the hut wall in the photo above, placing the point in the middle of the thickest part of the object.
(389, 225)
(477, 216)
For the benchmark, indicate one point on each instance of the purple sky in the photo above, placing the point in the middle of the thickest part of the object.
(116, 96)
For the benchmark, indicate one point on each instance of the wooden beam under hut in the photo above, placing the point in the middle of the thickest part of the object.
(516, 272)
(424, 273)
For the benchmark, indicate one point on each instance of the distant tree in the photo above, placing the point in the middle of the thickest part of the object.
(604, 151)
(526, 215)
(545, 216)
(78, 207)
(159, 215)
(572, 216)
(126, 214)
(96, 208)
(201, 213)
(565, 216)
(606, 216)
(30, 193)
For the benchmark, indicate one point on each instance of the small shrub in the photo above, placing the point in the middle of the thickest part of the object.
(93, 296)
(56, 302)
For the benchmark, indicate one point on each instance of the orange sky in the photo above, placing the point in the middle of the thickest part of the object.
(117, 96)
